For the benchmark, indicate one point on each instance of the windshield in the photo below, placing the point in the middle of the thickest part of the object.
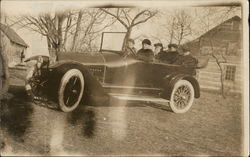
(112, 41)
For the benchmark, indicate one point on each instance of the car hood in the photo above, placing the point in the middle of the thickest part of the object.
(85, 58)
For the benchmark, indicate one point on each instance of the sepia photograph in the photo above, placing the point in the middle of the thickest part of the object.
(124, 78)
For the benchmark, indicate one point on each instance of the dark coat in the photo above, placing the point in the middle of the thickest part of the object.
(145, 55)
(167, 56)
(187, 60)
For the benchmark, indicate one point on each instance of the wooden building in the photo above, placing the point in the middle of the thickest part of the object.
(12, 45)
(225, 43)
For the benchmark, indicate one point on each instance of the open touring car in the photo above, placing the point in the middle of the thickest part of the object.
(79, 76)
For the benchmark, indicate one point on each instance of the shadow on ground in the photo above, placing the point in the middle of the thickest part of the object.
(15, 113)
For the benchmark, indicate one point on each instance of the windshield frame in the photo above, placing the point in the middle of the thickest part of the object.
(102, 38)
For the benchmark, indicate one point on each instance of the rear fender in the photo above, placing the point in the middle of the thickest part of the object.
(171, 80)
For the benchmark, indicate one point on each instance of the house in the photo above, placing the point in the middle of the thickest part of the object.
(12, 44)
(223, 44)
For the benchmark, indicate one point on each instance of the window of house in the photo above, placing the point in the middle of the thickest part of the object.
(230, 72)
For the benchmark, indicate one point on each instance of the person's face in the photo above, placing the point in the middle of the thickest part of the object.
(157, 49)
(39, 62)
(172, 49)
(146, 46)
(131, 45)
(186, 53)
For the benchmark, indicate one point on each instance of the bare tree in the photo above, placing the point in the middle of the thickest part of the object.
(78, 25)
(180, 27)
(50, 26)
(130, 17)
(90, 26)
(171, 30)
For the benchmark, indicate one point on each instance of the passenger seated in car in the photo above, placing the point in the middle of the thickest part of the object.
(186, 58)
(145, 53)
(169, 56)
(172, 54)
(158, 52)
(130, 49)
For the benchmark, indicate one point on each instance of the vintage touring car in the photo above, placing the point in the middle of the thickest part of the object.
(79, 76)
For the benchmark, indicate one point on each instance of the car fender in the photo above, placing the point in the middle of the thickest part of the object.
(171, 80)
(92, 85)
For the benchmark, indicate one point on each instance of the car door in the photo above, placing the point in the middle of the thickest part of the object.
(115, 66)
(137, 73)
(126, 71)
(159, 71)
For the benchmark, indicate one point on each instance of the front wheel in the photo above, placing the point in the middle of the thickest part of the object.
(182, 96)
(70, 90)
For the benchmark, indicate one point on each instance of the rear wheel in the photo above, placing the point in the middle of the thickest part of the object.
(182, 96)
(70, 90)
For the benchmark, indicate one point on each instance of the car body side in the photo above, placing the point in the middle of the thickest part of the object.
(105, 70)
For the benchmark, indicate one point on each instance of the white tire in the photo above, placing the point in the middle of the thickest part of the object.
(182, 96)
(70, 90)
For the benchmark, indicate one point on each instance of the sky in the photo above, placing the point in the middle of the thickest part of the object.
(38, 44)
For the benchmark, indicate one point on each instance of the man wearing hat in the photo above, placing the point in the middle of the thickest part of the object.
(145, 53)
(172, 54)
(169, 56)
(159, 53)
(186, 58)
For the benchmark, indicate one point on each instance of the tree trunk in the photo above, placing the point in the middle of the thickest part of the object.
(4, 73)
(221, 76)
(172, 32)
(127, 36)
(220, 67)
(59, 33)
(221, 80)
(181, 35)
(78, 25)
(69, 19)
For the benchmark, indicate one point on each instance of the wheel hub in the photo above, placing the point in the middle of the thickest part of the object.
(183, 97)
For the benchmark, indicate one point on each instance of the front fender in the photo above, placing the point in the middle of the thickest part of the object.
(56, 72)
(171, 80)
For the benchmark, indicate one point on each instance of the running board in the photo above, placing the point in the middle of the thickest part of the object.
(138, 98)
(131, 90)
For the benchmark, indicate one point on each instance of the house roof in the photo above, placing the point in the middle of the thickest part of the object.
(12, 35)
(235, 18)
(194, 44)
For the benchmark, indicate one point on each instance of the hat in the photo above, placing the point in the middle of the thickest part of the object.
(172, 45)
(131, 40)
(185, 49)
(158, 44)
(146, 41)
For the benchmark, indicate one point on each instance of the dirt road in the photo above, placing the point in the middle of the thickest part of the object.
(211, 127)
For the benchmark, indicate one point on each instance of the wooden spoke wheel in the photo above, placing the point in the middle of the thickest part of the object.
(182, 96)
(70, 90)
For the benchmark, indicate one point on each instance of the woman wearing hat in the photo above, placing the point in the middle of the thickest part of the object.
(145, 53)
